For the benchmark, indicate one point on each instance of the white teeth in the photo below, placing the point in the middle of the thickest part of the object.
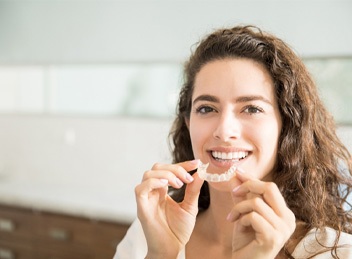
(224, 177)
(223, 155)
(230, 155)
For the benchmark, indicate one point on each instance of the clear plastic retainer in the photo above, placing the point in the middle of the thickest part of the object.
(224, 177)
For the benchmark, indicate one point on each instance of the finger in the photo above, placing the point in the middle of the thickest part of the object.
(257, 205)
(190, 201)
(180, 170)
(240, 177)
(269, 190)
(142, 190)
(190, 165)
(243, 176)
(146, 191)
(186, 165)
(265, 233)
(173, 180)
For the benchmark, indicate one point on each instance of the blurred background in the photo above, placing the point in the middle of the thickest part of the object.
(88, 90)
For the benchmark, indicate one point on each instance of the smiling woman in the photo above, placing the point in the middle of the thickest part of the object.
(249, 103)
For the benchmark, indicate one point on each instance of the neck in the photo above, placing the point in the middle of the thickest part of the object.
(214, 218)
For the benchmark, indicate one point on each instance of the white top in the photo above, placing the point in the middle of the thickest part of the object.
(134, 245)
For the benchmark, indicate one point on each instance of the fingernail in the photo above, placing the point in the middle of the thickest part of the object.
(179, 183)
(236, 189)
(195, 161)
(164, 181)
(228, 218)
(240, 170)
(189, 177)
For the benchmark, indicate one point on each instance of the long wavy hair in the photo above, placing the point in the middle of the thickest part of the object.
(313, 170)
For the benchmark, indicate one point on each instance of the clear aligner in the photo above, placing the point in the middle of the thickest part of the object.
(224, 177)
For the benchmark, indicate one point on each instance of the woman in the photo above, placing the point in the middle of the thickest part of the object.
(247, 102)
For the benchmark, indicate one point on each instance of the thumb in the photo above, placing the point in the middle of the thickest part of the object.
(190, 201)
(242, 176)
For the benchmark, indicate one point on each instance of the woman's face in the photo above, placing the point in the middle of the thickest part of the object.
(235, 117)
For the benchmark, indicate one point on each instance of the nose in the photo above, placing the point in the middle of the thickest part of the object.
(228, 128)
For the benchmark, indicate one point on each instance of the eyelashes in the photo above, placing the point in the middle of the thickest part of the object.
(248, 109)
(253, 109)
(204, 109)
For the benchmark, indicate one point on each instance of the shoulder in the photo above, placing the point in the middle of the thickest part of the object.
(320, 242)
(134, 244)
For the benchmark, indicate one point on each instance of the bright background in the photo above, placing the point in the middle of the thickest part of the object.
(88, 88)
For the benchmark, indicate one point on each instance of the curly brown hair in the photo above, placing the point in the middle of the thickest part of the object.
(313, 170)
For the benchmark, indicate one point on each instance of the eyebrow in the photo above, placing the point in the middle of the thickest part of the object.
(241, 99)
(206, 97)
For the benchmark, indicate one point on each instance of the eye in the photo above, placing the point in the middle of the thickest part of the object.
(252, 109)
(204, 109)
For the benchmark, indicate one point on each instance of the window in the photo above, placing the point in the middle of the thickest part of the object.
(149, 89)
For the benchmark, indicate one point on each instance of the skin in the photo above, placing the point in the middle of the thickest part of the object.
(235, 106)
(233, 109)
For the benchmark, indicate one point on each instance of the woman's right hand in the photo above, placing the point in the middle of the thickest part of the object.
(168, 225)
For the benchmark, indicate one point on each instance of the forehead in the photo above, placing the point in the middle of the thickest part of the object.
(237, 76)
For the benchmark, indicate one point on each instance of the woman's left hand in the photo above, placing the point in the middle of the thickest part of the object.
(262, 221)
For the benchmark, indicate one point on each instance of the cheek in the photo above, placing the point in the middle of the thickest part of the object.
(271, 137)
(199, 134)
(196, 139)
(265, 136)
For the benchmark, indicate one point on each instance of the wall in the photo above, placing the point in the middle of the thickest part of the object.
(83, 151)
(79, 31)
